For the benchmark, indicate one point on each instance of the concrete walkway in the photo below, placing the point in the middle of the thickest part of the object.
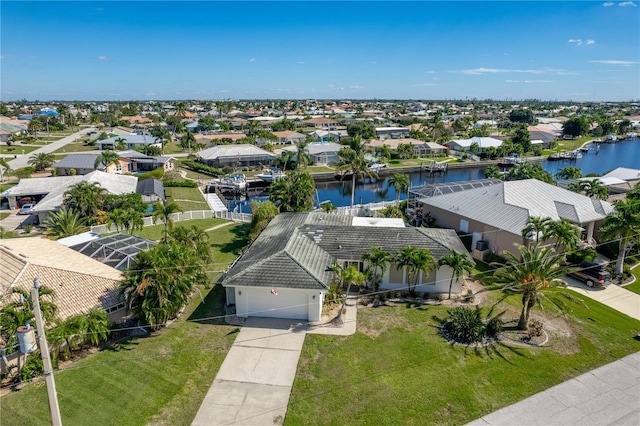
(254, 382)
(609, 395)
(23, 160)
(614, 296)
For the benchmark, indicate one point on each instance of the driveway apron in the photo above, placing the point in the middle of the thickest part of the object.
(254, 382)
(618, 298)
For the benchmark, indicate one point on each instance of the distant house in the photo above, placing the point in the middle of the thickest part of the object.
(285, 272)
(136, 119)
(129, 162)
(419, 147)
(151, 190)
(129, 141)
(321, 123)
(543, 135)
(79, 282)
(139, 162)
(482, 142)
(392, 132)
(324, 153)
(231, 155)
(289, 137)
(498, 212)
(328, 135)
(209, 139)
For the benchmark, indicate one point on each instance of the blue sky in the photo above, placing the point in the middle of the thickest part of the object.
(299, 50)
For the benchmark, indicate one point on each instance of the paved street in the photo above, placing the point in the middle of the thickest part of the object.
(609, 395)
(22, 160)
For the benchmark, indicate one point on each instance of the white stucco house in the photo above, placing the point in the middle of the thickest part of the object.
(285, 272)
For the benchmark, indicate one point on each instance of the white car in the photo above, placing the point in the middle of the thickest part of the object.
(26, 209)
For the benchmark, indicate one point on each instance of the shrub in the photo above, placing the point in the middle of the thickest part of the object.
(587, 254)
(203, 168)
(494, 326)
(153, 174)
(180, 184)
(28, 228)
(32, 367)
(535, 328)
(465, 325)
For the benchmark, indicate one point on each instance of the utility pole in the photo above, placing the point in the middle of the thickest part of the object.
(54, 409)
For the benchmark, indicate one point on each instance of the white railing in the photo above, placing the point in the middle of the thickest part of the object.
(180, 217)
(363, 208)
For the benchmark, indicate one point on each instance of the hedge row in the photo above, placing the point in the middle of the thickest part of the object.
(203, 168)
(181, 184)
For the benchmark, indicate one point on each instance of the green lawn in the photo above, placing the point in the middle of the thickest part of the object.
(635, 286)
(160, 379)
(396, 369)
(4, 215)
(187, 198)
(195, 175)
(76, 146)
(18, 149)
(173, 148)
(156, 232)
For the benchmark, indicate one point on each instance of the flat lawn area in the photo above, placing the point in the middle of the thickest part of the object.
(76, 146)
(4, 215)
(397, 369)
(160, 379)
(156, 232)
(195, 175)
(189, 199)
(174, 148)
(635, 286)
(18, 149)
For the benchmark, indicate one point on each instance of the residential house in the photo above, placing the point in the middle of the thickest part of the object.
(136, 119)
(232, 155)
(79, 282)
(82, 164)
(219, 138)
(328, 135)
(420, 147)
(289, 137)
(139, 162)
(497, 212)
(129, 141)
(324, 153)
(151, 190)
(285, 272)
(392, 132)
(321, 123)
(481, 142)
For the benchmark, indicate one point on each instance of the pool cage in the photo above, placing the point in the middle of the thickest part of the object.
(416, 196)
(117, 251)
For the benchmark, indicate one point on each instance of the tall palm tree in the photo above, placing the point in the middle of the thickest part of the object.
(294, 192)
(304, 159)
(377, 261)
(164, 137)
(416, 260)
(18, 312)
(354, 163)
(34, 126)
(252, 127)
(539, 268)
(105, 159)
(400, 182)
(133, 220)
(119, 144)
(591, 188)
(41, 160)
(163, 212)
(459, 263)
(623, 224)
(64, 223)
(536, 228)
(5, 168)
(187, 141)
(86, 198)
(565, 233)
(181, 109)
(116, 217)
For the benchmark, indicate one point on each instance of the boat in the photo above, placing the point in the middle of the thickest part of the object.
(376, 167)
(237, 182)
(632, 135)
(611, 138)
(271, 175)
(512, 160)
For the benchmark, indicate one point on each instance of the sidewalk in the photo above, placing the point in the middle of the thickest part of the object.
(608, 395)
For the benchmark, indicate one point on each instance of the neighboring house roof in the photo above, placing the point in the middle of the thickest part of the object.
(231, 136)
(142, 158)
(79, 283)
(296, 249)
(78, 161)
(323, 147)
(624, 174)
(55, 187)
(290, 134)
(130, 140)
(320, 120)
(151, 187)
(508, 205)
(234, 151)
(483, 142)
(136, 119)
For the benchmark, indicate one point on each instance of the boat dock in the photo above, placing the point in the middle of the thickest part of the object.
(435, 167)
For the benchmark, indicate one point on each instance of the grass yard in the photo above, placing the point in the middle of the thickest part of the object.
(18, 149)
(156, 232)
(195, 175)
(174, 148)
(187, 198)
(397, 369)
(4, 215)
(635, 286)
(76, 146)
(160, 379)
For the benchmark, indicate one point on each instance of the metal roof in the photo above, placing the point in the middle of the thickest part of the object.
(78, 161)
(241, 150)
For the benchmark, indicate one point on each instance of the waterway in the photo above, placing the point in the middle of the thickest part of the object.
(609, 156)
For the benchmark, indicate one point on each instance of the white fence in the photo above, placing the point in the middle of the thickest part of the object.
(180, 217)
(462, 154)
(363, 209)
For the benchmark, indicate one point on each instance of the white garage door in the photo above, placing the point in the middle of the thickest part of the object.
(284, 304)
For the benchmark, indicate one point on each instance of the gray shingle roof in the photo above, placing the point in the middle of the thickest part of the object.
(234, 151)
(77, 161)
(150, 187)
(296, 249)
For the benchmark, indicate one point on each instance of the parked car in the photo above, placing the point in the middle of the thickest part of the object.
(593, 274)
(26, 209)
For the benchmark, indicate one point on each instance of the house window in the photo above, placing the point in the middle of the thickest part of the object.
(359, 265)
(464, 225)
(396, 276)
(118, 167)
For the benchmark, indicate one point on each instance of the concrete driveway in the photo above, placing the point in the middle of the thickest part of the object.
(15, 221)
(614, 296)
(254, 382)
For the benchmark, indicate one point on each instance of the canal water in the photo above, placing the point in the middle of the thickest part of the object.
(609, 156)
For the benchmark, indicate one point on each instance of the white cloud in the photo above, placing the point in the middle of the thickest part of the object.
(614, 62)
(590, 41)
(576, 41)
(374, 62)
(608, 4)
(428, 85)
(528, 81)
(627, 3)
(429, 72)
(301, 62)
(482, 71)
(252, 60)
(356, 87)
(104, 58)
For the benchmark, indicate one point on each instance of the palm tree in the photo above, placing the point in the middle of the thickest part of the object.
(304, 159)
(377, 264)
(252, 127)
(5, 168)
(187, 141)
(565, 233)
(133, 220)
(590, 188)
(286, 157)
(41, 160)
(622, 224)
(400, 182)
(353, 162)
(116, 217)
(536, 228)
(18, 312)
(492, 172)
(163, 212)
(34, 126)
(164, 137)
(181, 109)
(64, 223)
(119, 144)
(539, 269)
(459, 263)
(105, 159)
(568, 173)
(86, 198)
(416, 260)
(294, 192)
